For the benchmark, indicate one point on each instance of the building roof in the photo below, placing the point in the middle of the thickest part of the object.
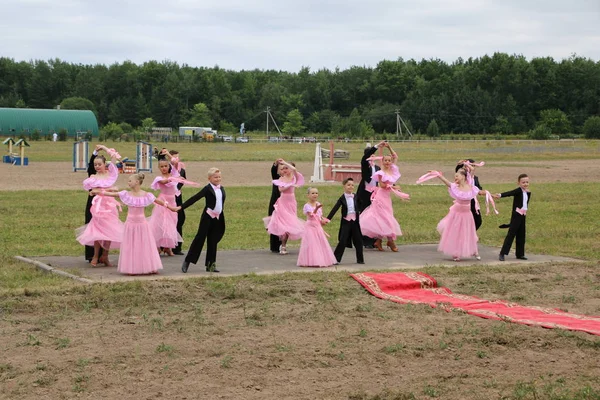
(14, 121)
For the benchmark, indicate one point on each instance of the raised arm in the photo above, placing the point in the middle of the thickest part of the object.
(443, 179)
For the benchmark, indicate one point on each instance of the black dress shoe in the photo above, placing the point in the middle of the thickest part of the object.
(369, 246)
(501, 257)
(360, 262)
(522, 258)
(185, 266)
(212, 267)
(178, 253)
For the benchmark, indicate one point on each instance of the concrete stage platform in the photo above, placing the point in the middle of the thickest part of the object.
(239, 262)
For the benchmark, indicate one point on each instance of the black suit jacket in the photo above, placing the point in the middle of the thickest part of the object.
(517, 195)
(364, 196)
(208, 193)
(344, 204)
(275, 193)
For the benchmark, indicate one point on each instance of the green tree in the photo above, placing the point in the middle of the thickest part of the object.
(199, 116)
(501, 126)
(433, 130)
(540, 132)
(556, 121)
(112, 130)
(20, 104)
(293, 124)
(591, 127)
(77, 103)
(148, 124)
(126, 127)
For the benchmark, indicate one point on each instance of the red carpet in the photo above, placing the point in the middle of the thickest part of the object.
(420, 288)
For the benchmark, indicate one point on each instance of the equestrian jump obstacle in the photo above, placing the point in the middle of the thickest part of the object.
(143, 157)
(14, 158)
(333, 172)
(80, 155)
(142, 162)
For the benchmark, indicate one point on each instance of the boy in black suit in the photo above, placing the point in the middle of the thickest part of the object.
(212, 222)
(349, 226)
(521, 197)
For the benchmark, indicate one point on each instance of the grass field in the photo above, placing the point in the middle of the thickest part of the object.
(300, 336)
(500, 150)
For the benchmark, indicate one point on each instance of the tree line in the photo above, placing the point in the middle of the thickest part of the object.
(502, 93)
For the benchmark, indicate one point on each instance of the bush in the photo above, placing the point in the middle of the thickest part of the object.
(35, 135)
(62, 135)
(540, 132)
(433, 130)
(591, 128)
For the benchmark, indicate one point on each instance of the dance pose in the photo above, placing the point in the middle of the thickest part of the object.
(457, 230)
(315, 250)
(377, 220)
(274, 241)
(104, 230)
(475, 211)
(350, 224)
(180, 167)
(284, 221)
(212, 223)
(367, 170)
(91, 170)
(518, 219)
(138, 254)
(164, 222)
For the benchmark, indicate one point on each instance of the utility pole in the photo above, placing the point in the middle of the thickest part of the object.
(399, 123)
(268, 112)
(269, 115)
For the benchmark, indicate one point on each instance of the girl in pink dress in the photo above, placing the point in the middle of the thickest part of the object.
(457, 229)
(377, 221)
(105, 229)
(315, 250)
(139, 254)
(284, 221)
(163, 222)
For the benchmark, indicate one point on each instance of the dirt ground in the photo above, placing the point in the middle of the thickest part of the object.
(293, 337)
(35, 176)
(289, 337)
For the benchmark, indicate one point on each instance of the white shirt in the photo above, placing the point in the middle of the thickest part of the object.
(350, 202)
(525, 199)
(219, 203)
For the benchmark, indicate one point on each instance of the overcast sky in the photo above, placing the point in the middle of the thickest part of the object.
(286, 35)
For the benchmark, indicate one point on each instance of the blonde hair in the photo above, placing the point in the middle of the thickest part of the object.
(212, 171)
(139, 177)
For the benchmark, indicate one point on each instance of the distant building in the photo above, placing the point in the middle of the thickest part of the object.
(18, 121)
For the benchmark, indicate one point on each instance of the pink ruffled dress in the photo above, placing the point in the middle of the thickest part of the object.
(284, 220)
(105, 226)
(457, 229)
(163, 221)
(315, 250)
(138, 254)
(377, 220)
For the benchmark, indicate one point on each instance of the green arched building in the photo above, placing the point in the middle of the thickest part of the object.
(18, 121)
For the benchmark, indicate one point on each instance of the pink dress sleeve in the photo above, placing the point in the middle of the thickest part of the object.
(135, 201)
(458, 194)
(307, 209)
(93, 182)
